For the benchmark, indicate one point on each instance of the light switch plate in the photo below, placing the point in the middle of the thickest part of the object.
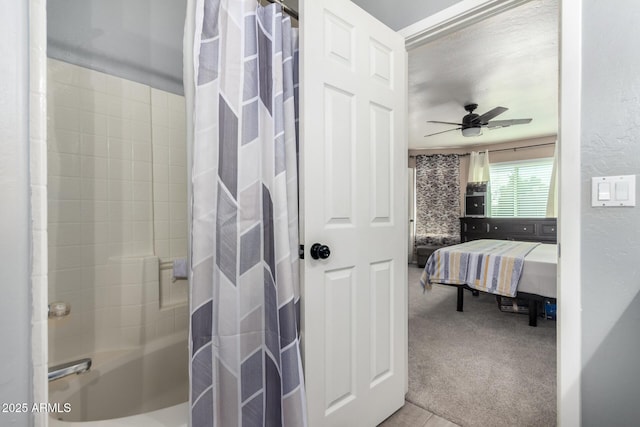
(622, 191)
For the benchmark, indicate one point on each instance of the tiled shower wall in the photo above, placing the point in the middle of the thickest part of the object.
(116, 179)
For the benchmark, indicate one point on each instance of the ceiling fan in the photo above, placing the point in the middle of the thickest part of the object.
(472, 123)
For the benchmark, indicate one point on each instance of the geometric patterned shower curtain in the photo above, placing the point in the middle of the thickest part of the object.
(245, 368)
(437, 199)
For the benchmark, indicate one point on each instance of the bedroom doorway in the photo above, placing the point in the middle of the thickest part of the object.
(568, 342)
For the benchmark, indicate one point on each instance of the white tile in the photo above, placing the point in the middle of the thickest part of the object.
(141, 112)
(64, 188)
(131, 315)
(119, 149)
(94, 145)
(120, 169)
(178, 229)
(65, 118)
(64, 95)
(141, 131)
(119, 232)
(94, 211)
(95, 233)
(142, 152)
(63, 210)
(94, 167)
(161, 136)
(132, 295)
(166, 323)
(96, 102)
(161, 211)
(114, 85)
(142, 232)
(161, 193)
(161, 173)
(161, 155)
(178, 247)
(178, 193)
(65, 234)
(60, 164)
(178, 156)
(64, 141)
(65, 257)
(120, 211)
(176, 103)
(161, 230)
(142, 211)
(87, 78)
(136, 91)
(96, 254)
(94, 124)
(142, 171)
(160, 115)
(158, 98)
(120, 190)
(162, 249)
(178, 174)
(107, 296)
(178, 211)
(142, 191)
(119, 128)
(65, 280)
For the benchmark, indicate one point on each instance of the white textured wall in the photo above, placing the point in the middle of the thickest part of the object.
(15, 317)
(111, 178)
(610, 236)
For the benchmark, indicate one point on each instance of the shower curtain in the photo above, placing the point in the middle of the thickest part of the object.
(245, 365)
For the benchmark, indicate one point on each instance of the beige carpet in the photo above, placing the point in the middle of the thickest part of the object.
(481, 367)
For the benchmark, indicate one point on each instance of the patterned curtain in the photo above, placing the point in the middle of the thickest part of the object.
(245, 366)
(437, 199)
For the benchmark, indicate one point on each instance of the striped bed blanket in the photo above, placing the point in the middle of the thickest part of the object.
(492, 266)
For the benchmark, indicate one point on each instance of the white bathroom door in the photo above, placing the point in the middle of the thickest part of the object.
(354, 204)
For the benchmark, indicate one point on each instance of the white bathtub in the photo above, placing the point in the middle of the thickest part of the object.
(142, 387)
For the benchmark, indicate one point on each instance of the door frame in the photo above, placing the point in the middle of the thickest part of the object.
(569, 339)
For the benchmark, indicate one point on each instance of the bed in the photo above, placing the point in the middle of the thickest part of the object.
(526, 270)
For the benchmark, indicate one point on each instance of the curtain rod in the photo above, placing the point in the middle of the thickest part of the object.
(288, 10)
(504, 149)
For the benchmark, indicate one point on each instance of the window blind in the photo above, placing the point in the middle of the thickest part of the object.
(520, 189)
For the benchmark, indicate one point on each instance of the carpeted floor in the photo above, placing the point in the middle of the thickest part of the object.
(481, 367)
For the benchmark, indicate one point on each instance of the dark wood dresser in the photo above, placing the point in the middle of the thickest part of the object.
(523, 229)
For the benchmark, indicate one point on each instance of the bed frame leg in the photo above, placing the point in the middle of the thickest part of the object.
(460, 298)
(533, 313)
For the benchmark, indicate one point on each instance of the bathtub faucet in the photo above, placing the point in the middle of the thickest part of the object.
(65, 369)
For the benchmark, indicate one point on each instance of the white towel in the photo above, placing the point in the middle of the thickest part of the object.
(179, 268)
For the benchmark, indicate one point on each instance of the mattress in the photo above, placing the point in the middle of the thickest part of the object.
(539, 274)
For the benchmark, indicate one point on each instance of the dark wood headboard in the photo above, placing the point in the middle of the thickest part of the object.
(524, 229)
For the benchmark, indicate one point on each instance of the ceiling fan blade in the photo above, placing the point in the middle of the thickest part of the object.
(507, 123)
(438, 133)
(489, 115)
(444, 123)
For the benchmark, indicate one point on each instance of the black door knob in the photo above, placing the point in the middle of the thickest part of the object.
(319, 251)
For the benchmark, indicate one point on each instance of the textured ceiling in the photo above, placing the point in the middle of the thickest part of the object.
(508, 60)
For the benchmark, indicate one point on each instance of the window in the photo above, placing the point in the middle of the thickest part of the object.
(520, 189)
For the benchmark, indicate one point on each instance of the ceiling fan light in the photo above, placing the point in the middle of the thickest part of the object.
(472, 131)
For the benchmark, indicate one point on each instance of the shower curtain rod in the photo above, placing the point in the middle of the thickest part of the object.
(503, 149)
(288, 10)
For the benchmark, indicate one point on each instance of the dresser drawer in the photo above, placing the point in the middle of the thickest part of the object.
(476, 227)
(508, 228)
